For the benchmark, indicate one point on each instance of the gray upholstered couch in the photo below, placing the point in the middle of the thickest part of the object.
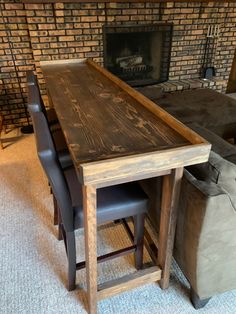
(206, 107)
(205, 244)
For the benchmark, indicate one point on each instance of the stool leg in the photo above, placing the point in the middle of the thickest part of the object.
(1, 128)
(60, 226)
(55, 218)
(139, 239)
(71, 254)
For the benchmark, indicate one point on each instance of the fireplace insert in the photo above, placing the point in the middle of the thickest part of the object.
(138, 54)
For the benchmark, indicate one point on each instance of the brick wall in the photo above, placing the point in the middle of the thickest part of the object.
(74, 30)
(16, 57)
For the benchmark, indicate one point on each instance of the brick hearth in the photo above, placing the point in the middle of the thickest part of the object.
(33, 32)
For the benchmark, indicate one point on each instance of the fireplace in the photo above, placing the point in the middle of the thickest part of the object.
(138, 54)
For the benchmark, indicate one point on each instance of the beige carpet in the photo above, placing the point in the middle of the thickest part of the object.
(33, 262)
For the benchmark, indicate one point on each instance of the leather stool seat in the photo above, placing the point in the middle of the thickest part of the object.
(113, 202)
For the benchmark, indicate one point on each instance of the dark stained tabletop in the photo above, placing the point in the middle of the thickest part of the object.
(99, 119)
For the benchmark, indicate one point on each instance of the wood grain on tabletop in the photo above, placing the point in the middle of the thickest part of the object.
(109, 122)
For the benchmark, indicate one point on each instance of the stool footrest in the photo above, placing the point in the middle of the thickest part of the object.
(109, 256)
(128, 282)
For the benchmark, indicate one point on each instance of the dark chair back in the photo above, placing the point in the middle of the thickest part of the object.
(31, 78)
(35, 103)
(50, 163)
(34, 97)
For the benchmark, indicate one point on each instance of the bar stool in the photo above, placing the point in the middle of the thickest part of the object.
(115, 202)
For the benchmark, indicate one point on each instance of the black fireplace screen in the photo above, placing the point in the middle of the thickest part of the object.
(138, 54)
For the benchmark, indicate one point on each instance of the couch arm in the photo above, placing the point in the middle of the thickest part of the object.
(205, 236)
(207, 188)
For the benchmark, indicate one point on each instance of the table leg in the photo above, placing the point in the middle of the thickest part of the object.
(90, 228)
(169, 206)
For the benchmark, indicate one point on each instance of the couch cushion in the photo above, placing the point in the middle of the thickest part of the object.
(219, 145)
(211, 109)
(152, 92)
(231, 158)
(220, 171)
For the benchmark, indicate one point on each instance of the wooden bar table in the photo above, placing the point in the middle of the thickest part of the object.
(117, 135)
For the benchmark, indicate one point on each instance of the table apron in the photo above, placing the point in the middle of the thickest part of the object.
(142, 166)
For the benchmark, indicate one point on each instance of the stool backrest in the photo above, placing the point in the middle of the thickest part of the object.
(31, 78)
(52, 168)
(35, 102)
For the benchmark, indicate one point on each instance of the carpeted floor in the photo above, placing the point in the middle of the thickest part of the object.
(33, 262)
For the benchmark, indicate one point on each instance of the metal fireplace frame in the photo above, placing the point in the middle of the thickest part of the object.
(118, 29)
